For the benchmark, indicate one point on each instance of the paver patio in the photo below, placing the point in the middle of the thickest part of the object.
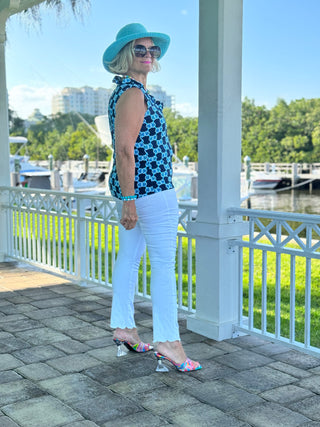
(58, 367)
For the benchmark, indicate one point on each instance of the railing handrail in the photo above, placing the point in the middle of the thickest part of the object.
(290, 216)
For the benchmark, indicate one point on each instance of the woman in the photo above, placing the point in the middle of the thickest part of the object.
(141, 182)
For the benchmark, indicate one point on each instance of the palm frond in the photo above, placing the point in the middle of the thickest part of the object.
(32, 16)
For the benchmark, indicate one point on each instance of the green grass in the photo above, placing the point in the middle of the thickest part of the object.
(43, 229)
(67, 237)
(300, 274)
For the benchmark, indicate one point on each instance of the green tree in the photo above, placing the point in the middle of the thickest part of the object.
(183, 133)
(16, 124)
(82, 141)
(62, 121)
(286, 133)
(255, 138)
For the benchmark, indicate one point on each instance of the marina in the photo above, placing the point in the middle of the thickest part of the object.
(270, 187)
(299, 201)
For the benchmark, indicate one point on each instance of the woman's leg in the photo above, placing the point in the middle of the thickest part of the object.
(124, 277)
(158, 219)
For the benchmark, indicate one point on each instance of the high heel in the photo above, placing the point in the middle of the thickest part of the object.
(187, 366)
(140, 347)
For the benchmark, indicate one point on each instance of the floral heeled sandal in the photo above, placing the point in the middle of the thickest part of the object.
(187, 366)
(140, 347)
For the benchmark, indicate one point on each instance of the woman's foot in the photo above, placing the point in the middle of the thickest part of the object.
(173, 350)
(131, 340)
(130, 335)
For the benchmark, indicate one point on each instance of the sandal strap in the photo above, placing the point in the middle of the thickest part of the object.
(188, 365)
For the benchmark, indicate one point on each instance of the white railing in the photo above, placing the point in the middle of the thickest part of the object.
(279, 261)
(279, 276)
(285, 169)
(76, 235)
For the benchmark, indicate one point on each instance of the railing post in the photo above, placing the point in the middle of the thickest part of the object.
(50, 158)
(294, 174)
(86, 163)
(81, 242)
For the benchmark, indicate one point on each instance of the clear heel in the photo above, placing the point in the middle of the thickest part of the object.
(121, 351)
(161, 367)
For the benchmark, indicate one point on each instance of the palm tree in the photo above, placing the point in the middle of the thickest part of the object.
(77, 7)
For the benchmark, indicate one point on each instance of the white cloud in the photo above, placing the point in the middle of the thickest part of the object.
(187, 109)
(184, 12)
(24, 99)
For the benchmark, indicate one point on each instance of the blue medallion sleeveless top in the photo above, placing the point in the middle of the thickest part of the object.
(152, 150)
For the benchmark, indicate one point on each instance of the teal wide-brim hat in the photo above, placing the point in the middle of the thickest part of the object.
(133, 32)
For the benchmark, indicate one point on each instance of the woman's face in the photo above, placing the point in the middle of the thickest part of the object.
(142, 65)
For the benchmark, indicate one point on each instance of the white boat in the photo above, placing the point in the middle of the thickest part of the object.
(34, 176)
(93, 182)
(31, 176)
(185, 181)
(264, 181)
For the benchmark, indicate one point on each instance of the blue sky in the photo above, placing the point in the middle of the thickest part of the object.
(281, 41)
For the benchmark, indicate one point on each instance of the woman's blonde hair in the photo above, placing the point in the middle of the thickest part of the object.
(123, 61)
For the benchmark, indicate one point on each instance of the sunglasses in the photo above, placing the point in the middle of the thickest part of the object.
(140, 51)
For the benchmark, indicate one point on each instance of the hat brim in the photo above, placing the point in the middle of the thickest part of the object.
(159, 39)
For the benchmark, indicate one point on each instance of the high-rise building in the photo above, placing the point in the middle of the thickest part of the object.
(95, 101)
(83, 100)
(167, 100)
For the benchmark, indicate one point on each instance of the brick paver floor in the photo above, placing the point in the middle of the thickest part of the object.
(58, 367)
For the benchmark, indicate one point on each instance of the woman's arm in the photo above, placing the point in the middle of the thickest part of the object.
(130, 111)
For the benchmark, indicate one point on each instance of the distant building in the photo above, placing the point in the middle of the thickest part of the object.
(95, 101)
(83, 100)
(167, 100)
(34, 118)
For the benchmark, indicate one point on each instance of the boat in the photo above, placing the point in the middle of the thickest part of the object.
(92, 181)
(34, 176)
(264, 180)
(185, 181)
(30, 175)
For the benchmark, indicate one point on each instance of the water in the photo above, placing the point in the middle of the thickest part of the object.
(298, 201)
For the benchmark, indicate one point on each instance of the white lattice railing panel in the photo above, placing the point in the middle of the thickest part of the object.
(279, 280)
(76, 235)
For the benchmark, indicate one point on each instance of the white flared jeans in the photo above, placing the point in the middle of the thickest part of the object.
(157, 229)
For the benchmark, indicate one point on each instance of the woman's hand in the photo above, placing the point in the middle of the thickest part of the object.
(129, 215)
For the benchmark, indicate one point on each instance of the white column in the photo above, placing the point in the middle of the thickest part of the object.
(12, 7)
(220, 52)
(4, 137)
